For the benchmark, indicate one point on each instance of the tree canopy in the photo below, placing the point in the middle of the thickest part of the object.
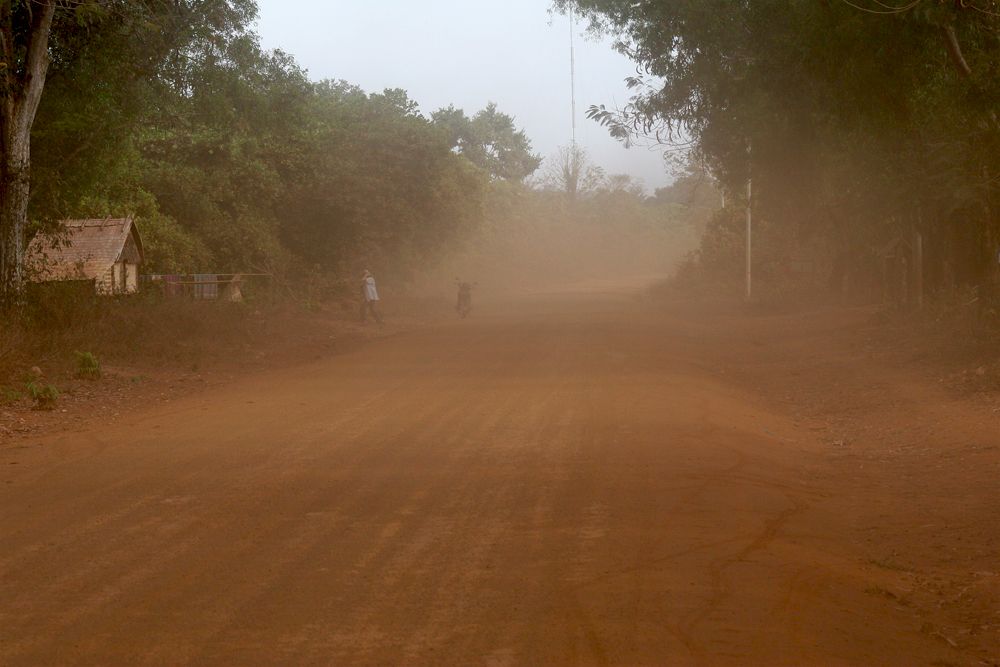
(233, 160)
(858, 121)
(490, 140)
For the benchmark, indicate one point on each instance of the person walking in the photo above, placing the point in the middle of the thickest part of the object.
(369, 298)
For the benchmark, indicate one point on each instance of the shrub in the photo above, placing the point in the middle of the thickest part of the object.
(88, 367)
(44, 395)
(9, 395)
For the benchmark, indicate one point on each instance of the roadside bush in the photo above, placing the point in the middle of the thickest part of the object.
(88, 367)
(60, 305)
(43, 395)
(9, 395)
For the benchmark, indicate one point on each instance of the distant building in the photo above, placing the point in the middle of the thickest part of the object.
(106, 251)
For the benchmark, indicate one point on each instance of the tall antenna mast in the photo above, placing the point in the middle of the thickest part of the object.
(572, 75)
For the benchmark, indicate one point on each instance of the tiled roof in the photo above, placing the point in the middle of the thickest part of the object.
(94, 246)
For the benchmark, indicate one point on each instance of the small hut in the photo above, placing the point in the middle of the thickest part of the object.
(105, 251)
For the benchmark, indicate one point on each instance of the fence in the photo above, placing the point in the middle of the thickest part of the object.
(200, 286)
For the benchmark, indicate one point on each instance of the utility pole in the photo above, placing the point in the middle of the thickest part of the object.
(918, 259)
(572, 78)
(749, 228)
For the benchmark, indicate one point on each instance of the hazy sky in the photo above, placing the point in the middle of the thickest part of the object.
(467, 53)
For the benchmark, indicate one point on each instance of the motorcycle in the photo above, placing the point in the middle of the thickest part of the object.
(464, 305)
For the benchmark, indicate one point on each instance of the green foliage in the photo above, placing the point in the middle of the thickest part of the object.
(379, 184)
(43, 395)
(109, 60)
(88, 367)
(170, 248)
(10, 395)
(230, 159)
(490, 140)
(856, 126)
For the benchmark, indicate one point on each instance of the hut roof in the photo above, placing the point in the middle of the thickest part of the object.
(81, 249)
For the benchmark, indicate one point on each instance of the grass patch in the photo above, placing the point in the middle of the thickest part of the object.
(88, 367)
(10, 395)
(43, 395)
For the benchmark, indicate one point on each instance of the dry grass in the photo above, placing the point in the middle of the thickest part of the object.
(147, 332)
(139, 330)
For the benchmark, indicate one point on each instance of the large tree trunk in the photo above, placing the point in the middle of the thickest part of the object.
(14, 184)
(21, 93)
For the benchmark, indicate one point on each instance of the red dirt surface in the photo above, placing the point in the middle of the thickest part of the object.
(581, 477)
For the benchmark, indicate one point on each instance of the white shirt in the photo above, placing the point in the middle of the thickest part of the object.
(371, 294)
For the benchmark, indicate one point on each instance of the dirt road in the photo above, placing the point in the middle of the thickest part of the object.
(576, 481)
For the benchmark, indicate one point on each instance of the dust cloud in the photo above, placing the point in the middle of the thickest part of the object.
(558, 243)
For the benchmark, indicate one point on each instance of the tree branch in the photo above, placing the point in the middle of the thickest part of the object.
(6, 44)
(36, 59)
(955, 51)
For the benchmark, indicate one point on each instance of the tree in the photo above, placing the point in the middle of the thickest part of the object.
(694, 187)
(221, 142)
(24, 37)
(376, 182)
(571, 171)
(490, 140)
(867, 119)
(111, 44)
